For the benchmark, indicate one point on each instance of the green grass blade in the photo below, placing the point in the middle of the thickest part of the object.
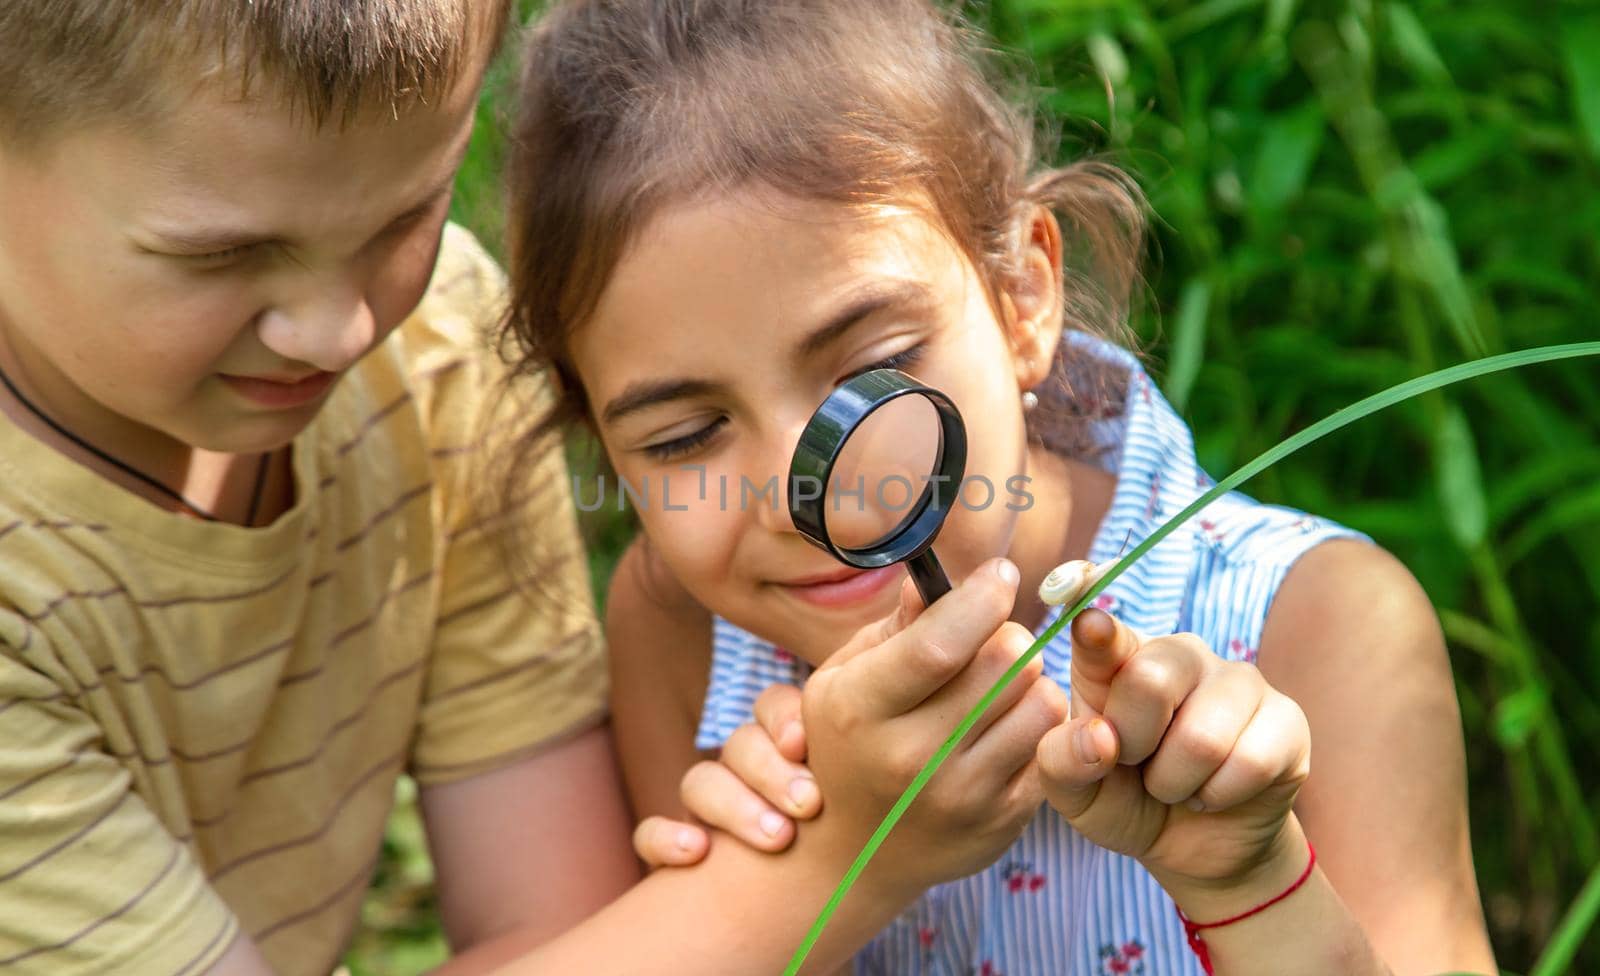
(1575, 925)
(1348, 415)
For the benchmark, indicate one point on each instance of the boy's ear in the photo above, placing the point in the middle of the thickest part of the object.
(1032, 306)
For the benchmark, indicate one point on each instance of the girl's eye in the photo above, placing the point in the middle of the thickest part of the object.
(900, 360)
(677, 447)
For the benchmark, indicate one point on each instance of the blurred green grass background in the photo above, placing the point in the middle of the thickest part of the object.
(1347, 194)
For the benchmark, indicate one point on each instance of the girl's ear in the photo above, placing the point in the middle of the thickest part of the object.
(1032, 306)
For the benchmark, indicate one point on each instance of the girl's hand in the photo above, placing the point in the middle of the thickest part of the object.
(752, 792)
(881, 706)
(1178, 758)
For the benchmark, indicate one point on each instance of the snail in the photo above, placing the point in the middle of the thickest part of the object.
(1066, 583)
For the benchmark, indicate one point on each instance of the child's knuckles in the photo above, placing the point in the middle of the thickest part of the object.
(1193, 644)
(1243, 673)
(1021, 796)
(751, 755)
(1054, 703)
(903, 759)
(1147, 678)
(777, 706)
(1253, 769)
(1167, 787)
(933, 658)
(1206, 745)
(703, 787)
(1003, 649)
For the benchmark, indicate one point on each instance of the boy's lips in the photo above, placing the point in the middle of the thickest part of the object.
(843, 587)
(280, 393)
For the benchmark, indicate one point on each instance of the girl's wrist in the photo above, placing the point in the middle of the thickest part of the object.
(1283, 864)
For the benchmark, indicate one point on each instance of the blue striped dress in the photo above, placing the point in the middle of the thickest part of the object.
(1055, 904)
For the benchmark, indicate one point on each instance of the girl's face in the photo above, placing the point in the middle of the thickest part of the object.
(724, 326)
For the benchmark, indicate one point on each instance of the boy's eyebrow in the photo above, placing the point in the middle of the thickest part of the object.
(640, 395)
(874, 297)
(221, 239)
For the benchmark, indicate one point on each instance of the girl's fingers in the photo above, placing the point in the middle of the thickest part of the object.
(1148, 689)
(1074, 758)
(1012, 739)
(1101, 645)
(1272, 753)
(1204, 733)
(754, 758)
(1103, 800)
(715, 795)
(778, 712)
(995, 659)
(661, 842)
(894, 677)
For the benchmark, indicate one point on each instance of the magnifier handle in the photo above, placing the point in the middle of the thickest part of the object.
(929, 576)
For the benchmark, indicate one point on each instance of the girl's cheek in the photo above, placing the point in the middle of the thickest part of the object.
(683, 512)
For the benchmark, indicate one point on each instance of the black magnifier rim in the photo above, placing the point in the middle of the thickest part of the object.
(824, 438)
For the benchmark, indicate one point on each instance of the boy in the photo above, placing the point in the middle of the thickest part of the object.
(241, 587)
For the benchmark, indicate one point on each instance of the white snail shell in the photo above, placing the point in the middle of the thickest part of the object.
(1066, 583)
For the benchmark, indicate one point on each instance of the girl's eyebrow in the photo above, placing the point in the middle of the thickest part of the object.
(637, 396)
(871, 298)
(858, 305)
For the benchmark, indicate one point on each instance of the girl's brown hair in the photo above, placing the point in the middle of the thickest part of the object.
(629, 105)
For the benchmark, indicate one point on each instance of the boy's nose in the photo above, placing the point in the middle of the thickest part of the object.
(329, 328)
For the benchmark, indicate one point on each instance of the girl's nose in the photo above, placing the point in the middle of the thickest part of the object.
(769, 499)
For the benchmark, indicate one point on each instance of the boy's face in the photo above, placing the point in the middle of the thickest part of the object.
(206, 278)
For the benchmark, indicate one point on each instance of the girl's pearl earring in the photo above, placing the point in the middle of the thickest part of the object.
(1030, 400)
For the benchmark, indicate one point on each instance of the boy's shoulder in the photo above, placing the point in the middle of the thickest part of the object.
(464, 303)
(445, 355)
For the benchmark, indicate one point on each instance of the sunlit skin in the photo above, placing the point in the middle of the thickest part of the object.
(184, 293)
(745, 266)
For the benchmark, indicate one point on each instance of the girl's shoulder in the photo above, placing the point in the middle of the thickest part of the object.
(1353, 599)
(655, 627)
(660, 647)
(647, 602)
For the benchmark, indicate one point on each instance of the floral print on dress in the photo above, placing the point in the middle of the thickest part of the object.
(1126, 959)
(1019, 877)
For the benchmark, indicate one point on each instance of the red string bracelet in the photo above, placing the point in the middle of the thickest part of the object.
(1191, 929)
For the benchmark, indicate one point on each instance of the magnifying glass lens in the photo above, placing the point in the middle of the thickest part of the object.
(874, 473)
(881, 479)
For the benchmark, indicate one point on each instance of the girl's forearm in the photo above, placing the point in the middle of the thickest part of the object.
(1309, 932)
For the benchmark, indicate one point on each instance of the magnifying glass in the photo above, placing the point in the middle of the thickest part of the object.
(876, 472)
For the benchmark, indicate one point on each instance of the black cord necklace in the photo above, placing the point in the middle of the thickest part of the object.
(255, 494)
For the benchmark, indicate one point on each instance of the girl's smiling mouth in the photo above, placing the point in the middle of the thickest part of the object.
(843, 587)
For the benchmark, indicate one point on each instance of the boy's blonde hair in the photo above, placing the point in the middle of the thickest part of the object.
(78, 61)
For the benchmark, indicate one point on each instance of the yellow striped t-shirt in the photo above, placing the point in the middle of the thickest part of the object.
(201, 724)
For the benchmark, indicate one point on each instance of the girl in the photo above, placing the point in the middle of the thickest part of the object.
(721, 210)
